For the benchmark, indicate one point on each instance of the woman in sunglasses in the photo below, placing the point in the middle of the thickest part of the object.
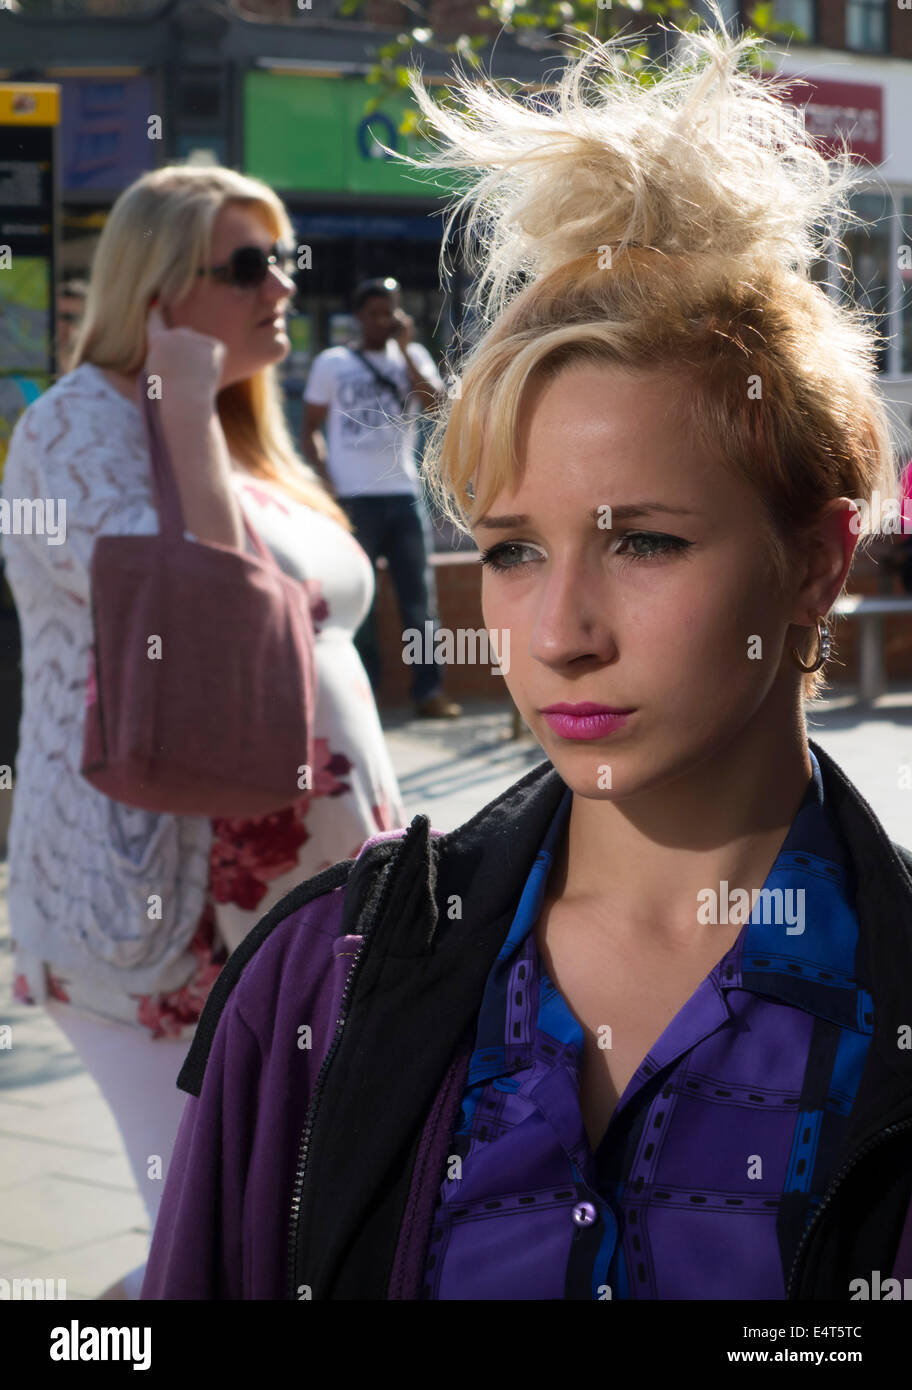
(639, 1028)
(191, 282)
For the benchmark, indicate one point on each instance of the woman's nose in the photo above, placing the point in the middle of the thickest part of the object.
(570, 622)
(278, 285)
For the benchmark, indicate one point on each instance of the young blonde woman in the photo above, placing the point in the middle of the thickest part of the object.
(190, 283)
(635, 1031)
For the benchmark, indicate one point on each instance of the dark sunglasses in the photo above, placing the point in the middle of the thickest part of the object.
(250, 265)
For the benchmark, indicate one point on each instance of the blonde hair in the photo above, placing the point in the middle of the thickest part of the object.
(669, 227)
(156, 238)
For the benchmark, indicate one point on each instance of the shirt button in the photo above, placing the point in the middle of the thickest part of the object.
(584, 1214)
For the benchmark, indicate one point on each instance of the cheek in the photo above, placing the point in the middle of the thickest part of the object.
(502, 610)
(501, 613)
(196, 310)
(490, 607)
(722, 644)
(220, 315)
(711, 650)
(746, 625)
(233, 322)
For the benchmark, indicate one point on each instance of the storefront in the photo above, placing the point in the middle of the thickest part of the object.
(105, 146)
(360, 212)
(29, 172)
(874, 266)
(29, 128)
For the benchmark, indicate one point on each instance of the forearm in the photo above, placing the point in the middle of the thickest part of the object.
(202, 467)
(427, 393)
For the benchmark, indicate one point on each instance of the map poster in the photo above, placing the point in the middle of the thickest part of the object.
(29, 114)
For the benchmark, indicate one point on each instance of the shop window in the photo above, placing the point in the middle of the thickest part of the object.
(801, 13)
(866, 25)
(904, 260)
(866, 263)
(200, 94)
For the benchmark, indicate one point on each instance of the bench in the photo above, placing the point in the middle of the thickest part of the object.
(870, 610)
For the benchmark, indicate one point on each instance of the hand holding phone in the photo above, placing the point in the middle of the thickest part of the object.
(405, 327)
(188, 364)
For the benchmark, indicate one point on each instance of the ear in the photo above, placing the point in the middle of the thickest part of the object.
(828, 552)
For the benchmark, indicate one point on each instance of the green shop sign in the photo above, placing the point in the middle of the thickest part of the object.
(311, 134)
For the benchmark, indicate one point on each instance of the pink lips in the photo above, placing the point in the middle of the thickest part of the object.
(585, 721)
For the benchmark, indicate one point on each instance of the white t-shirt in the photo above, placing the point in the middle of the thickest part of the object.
(370, 440)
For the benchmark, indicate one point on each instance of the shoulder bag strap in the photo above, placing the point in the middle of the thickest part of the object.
(391, 385)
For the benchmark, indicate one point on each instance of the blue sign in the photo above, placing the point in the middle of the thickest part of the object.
(367, 129)
(104, 132)
(380, 226)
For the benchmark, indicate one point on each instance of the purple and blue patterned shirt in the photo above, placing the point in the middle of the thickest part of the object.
(722, 1144)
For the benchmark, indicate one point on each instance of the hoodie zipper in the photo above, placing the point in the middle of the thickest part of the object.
(874, 1142)
(304, 1146)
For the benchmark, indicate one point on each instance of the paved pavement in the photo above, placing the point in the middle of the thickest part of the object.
(69, 1208)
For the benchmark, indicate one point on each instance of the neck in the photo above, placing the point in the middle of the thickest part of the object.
(125, 383)
(725, 819)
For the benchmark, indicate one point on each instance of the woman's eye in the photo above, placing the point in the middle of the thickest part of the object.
(498, 558)
(647, 544)
(640, 545)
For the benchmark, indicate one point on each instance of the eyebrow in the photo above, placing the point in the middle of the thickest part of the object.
(625, 513)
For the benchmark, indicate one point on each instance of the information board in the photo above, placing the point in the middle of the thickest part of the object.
(29, 120)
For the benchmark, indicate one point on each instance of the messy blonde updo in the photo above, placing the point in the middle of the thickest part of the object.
(669, 227)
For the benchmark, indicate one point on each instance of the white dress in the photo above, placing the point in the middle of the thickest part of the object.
(82, 866)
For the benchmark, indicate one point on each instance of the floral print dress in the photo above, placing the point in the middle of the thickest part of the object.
(254, 863)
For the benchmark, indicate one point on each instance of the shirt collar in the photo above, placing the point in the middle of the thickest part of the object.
(809, 963)
(799, 945)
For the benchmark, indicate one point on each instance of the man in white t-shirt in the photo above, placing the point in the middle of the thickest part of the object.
(368, 396)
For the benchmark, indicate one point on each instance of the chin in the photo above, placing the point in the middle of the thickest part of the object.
(606, 769)
(263, 360)
(585, 774)
(282, 347)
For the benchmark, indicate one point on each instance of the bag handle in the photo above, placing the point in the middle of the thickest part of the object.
(170, 511)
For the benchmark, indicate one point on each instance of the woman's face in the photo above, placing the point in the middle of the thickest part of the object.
(250, 322)
(664, 607)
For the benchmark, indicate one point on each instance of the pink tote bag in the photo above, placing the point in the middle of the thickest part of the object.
(201, 692)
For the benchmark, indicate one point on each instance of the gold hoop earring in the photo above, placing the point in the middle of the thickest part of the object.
(823, 650)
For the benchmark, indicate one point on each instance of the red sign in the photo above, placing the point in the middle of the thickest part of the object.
(834, 109)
